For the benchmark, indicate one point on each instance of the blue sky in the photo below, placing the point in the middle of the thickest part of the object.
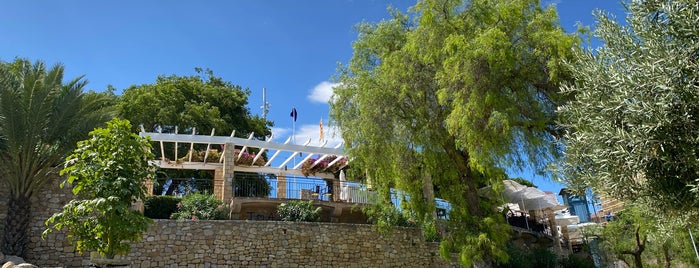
(291, 48)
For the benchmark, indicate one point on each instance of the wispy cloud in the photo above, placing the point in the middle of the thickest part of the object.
(309, 131)
(279, 133)
(322, 92)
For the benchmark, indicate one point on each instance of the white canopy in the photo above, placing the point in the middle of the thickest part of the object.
(529, 198)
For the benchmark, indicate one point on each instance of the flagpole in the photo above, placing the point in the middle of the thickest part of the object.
(294, 115)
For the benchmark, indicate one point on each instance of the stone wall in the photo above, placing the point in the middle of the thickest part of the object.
(261, 244)
(239, 243)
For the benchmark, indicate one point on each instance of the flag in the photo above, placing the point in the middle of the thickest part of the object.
(293, 113)
(321, 129)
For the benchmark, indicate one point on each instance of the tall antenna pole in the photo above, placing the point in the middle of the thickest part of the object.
(265, 105)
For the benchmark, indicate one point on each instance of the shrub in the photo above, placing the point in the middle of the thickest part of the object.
(528, 258)
(160, 206)
(298, 210)
(576, 261)
(198, 206)
(387, 216)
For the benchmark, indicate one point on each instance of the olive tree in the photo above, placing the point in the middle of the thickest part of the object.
(633, 123)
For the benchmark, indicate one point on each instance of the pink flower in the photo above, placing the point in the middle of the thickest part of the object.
(219, 207)
(194, 218)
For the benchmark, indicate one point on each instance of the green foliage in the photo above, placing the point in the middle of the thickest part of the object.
(107, 173)
(385, 217)
(632, 126)
(456, 91)
(637, 235)
(198, 206)
(41, 119)
(576, 261)
(201, 101)
(299, 210)
(160, 206)
(528, 258)
(524, 182)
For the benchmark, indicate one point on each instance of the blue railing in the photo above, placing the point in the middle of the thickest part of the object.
(258, 185)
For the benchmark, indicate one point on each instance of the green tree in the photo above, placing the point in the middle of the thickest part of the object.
(41, 119)
(628, 235)
(107, 173)
(639, 236)
(632, 127)
(188, 102)
(450, 98)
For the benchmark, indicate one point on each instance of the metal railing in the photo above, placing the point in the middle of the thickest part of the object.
(258, 185)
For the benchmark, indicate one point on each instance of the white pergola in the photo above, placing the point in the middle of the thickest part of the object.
(274, 148)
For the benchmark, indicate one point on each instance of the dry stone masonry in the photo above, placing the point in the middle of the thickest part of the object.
(239, 243)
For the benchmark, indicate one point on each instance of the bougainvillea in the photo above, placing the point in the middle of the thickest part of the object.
(323, 166)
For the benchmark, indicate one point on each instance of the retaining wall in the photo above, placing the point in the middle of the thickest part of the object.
(170, 243)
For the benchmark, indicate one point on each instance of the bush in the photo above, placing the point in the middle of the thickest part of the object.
(198, 206)
(298, 210)
(577, 261)
(528, 258)
(387, 216)
(160, 206)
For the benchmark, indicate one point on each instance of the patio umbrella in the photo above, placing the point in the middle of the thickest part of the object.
(513, 189)
(541, 202)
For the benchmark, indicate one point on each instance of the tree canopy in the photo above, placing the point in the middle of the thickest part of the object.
(448, 97)
(188, 102)
(632, 129)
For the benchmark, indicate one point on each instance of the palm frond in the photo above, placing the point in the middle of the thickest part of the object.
(41, 121)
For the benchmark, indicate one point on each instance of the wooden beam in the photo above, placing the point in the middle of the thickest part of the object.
(208, 146)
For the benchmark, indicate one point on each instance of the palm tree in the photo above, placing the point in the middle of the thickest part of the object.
(41, 119)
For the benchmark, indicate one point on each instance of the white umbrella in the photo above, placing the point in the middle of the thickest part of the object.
(513, 189)
(541, 202)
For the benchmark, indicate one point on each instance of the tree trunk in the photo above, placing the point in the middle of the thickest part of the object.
(471, 194)
(666, 254)
(461, 160)
(15, 240)
(640, 247)
(637, 260)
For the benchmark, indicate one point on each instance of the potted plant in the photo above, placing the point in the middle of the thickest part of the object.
(106, 172)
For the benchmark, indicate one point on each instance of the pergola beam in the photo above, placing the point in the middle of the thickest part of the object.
(250, 142)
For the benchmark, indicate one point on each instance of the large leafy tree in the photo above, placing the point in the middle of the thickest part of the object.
(41, 119)
(186, 102)
(449, 97)
(633, 129)
(202, 102)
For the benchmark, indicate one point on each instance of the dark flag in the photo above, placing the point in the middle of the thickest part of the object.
(293, 113)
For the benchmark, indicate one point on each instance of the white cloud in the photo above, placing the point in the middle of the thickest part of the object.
(309, 131)
(322, 92)
(312, 132)
(278, 132)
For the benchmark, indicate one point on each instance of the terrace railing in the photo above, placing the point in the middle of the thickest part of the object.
(253, 185)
